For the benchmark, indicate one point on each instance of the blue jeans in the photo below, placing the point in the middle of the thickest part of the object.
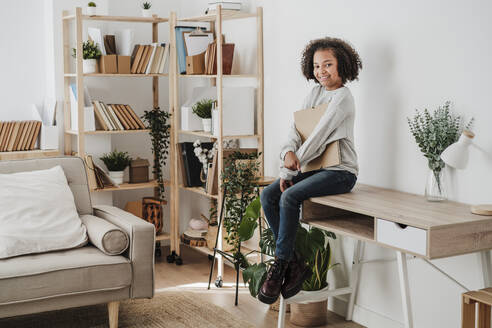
(282, 208)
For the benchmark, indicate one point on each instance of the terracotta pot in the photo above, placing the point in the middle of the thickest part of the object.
(309, 315)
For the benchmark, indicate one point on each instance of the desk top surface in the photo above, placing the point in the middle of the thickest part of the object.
(401, 207)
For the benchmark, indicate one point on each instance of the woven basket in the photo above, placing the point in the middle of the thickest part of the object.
(309, 315)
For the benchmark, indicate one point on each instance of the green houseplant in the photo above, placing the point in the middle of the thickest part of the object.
(433, 133)
(91, 8)
(203, 109)
(90, 54)
(146, 9)
(116, 162)
(160, 131)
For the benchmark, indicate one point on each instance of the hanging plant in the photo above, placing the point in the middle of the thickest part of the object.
(239, 175)
(160, 130)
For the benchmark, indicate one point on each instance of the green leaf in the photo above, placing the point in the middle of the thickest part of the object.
(247, 228)
(253, 210)
(255, 275)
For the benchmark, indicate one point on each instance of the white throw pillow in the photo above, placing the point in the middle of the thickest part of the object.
(38, 213)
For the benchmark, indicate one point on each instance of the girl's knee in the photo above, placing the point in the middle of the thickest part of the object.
(267, 195)
(290, 198)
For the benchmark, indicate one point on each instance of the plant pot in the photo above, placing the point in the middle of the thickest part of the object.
(436, 186)
(146, 13)
(207, 124)
(91, 11)
(89, 66)
(310, 314)
(117, 176)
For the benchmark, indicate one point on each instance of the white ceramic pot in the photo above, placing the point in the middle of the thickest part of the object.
(146, 13)
(91, 11)
(207, 124)
(117, 176)
(89, 65)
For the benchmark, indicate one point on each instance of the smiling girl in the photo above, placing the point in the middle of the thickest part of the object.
(330, 62)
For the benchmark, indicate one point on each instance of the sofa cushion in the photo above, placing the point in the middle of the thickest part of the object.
(75, 271)
(38, 213)
(110, 239)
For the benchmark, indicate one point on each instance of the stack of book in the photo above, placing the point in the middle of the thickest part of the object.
(194, 238)
(116, 117)
(211, 58)
(19, 135)
(149, 59)
(227, 5)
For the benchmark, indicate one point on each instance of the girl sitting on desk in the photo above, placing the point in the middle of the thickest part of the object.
(331, 63)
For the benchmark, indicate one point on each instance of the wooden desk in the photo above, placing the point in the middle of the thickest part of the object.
(405, 222)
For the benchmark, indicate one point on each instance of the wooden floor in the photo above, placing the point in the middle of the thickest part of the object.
(192, 276)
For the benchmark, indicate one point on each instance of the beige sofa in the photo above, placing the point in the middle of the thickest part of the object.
(81, 276)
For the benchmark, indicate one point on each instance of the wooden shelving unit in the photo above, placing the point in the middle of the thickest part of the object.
(215, 80)
(79, 77)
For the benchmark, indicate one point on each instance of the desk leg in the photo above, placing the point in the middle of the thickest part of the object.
(405, 291)
(354, 279)
(484, 259)
(281, 313)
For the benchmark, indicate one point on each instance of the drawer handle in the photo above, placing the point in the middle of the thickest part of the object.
(401, 225)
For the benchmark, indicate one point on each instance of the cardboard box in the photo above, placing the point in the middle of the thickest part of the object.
(123, 64)
(108, 64)
(195, 64)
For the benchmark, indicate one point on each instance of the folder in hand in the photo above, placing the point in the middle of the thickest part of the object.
(305, 121)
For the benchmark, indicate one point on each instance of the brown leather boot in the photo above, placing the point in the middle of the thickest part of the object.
(297, 272)
(270, 290)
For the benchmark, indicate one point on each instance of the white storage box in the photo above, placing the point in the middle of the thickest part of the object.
(48, 137)
(189, 121)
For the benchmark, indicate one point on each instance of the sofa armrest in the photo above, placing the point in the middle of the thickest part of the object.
(141, 249)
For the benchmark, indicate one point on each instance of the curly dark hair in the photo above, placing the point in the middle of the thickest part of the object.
(349, 63)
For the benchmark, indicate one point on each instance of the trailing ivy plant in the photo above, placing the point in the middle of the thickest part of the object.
(434, 132)
(239, 175)
(160, 130)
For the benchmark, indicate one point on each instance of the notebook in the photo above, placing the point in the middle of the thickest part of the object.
(306, 120)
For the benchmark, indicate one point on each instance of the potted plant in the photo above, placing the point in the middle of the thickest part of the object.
(157, 122)
(90, 54)
(116, 162)
(91, 8)
(146, 9)
(312, 245)
(203, 109)
(433, 133)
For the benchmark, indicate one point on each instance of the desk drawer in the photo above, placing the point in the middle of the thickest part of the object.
(403, 237)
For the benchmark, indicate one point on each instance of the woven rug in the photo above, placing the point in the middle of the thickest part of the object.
(165, 310)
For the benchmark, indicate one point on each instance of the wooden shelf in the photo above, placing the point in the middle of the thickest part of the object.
(162, 236)
(198, 190)
(132, 186)
(213, 17)
(26, 154)
(210, 76)
(115, 75)
(128, 19)
(98, 132)
(209, 135)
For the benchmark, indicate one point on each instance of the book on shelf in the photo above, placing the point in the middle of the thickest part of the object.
(19, 135)
(149, 59)
(211, 58)
(113, 117)
(180, 46)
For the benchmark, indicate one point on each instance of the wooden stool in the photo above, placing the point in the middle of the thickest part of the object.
(484, 299)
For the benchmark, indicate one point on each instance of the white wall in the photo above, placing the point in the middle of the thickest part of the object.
(415, 54)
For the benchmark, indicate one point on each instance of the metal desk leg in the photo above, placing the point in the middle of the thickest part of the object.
(354, 279)
(484, 260)
(405, 292)
(281, 313)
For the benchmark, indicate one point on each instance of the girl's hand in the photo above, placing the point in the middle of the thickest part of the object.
(284, 184)
(292, 162)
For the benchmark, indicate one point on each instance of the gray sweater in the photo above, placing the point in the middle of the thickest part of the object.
(337, 123)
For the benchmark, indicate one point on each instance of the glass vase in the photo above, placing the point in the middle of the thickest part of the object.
(436, 186)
